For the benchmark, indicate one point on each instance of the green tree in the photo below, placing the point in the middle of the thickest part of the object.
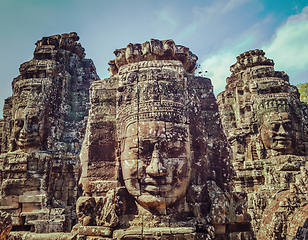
(303, 90)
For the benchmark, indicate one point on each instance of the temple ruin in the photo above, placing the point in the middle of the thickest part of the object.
(41, 136)
(149, 153)
(266, 126)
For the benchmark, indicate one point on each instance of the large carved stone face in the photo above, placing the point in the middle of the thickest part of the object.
(28, 128)
(277, 132)
(155, 162)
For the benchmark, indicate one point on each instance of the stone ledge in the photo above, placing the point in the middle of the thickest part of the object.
(95, 231)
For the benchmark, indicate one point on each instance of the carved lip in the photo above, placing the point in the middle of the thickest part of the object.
(281, 139)
(158, 188)
(27, 141)
(158, 185)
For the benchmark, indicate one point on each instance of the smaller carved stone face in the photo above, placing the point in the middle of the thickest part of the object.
(156, 162)
(27, 131)
(277, 132)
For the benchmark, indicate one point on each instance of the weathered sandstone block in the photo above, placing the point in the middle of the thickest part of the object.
(41, 136)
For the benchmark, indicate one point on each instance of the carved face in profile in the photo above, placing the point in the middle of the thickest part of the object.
(28, 128)
(277, 132)
(155, 162)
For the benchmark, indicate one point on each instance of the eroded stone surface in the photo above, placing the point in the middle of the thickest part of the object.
(41, 136)
(266, 125)
(154, 152)
(5, 225)
(153, 50)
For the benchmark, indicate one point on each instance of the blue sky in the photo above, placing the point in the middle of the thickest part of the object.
(215, 30)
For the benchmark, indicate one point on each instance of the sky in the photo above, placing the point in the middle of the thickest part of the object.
(215, 30)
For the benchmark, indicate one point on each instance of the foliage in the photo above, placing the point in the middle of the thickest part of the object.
(303, 90)
(199, 71)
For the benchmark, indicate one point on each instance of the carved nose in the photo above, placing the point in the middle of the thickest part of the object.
(26, 128)
(156, 167)
(281, 130)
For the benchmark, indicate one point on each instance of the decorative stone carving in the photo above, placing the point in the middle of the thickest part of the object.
(41, 136)
(266, 125)
(98, 211)
(5, 225)
(154, 152)
(153, 50)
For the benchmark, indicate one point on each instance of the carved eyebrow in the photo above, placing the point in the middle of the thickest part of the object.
(32, 116)
(177, 136)
(133, 146)
(146, 139)
(279, 122)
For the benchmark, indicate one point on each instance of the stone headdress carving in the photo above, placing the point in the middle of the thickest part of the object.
(154, 143)
(153, 50)
(158, 92)
(266, 125)
(254, 89)
(41, 135)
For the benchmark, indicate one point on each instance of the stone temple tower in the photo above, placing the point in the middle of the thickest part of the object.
(155, 161)
(41, 135)
(266, 126)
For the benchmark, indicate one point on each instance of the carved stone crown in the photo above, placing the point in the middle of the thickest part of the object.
(150, 51)
(30, 92)
(161, 96)
(66, 41)
(167, 111)
(249, 59)
(274, 105)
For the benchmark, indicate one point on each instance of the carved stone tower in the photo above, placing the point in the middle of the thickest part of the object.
(155, 162)
(41, 136)
(266, 126)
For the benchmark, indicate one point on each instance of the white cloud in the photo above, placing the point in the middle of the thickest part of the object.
(289, 48)
(218, 64)
(188, 31)
(164, 16)
(231, 4)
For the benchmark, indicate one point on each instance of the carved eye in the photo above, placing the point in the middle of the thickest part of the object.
(130, 152)
(175, 151)
(146, 149)
(287, 126)
(275, 126)
(19, 123)
(33, 120)
(134, 149)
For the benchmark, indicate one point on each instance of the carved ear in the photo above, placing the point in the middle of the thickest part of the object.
(260, 148)
(45, 131)
(12, 144)
(121, 145)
